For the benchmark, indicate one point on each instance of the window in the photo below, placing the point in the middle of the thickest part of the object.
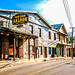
(39, 32)
(59, 37)
(64, 38)
(1, 23)
(31, 29)
(50, 50)
(49, 35)
(54, 36)
(40, 50)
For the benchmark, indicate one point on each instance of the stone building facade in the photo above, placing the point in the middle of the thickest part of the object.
(34, 39)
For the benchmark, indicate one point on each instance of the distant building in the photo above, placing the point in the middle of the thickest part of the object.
(69, 41)
(61, 37)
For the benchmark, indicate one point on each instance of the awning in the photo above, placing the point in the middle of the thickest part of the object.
(64, 44)
(52, 45)
(11, 31)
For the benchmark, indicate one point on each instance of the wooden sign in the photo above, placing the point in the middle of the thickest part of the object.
(20, 19)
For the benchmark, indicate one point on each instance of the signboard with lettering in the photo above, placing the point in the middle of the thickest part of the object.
(20, 19)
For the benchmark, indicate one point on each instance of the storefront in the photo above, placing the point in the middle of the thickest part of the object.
(11, 43)
(40, 51)
(52, 51)
(60, 50)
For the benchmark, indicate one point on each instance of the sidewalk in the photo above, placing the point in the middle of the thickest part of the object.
(10, 63)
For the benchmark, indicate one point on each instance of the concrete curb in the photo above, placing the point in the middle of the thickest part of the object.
(4, 64)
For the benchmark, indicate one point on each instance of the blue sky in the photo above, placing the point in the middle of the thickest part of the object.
(27, 5)
(52, 10)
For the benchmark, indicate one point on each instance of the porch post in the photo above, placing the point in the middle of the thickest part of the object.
(34, 49)
(29, 48)
(14, 50)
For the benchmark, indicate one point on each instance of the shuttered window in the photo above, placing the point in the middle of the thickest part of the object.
(49, 35)
(39, 32)
(59, 37)
(54, 36)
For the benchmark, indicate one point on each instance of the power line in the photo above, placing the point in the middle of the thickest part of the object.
(66, 6)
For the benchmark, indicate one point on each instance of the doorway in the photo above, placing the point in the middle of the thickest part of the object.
(69, 52)
(5, 47)
(20, 48)
(53, 51)
(11, 45)
(45, 52)
(62, 53)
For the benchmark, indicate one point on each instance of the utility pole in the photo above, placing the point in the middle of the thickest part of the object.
(67, 10)
(72, 42)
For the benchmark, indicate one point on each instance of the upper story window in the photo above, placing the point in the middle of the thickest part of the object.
(49, 35)
(39, 32)
(1, 23)
(59, 37)
(31, 29)
(64, 38)
(54, 36)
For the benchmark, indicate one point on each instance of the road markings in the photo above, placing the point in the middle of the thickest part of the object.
(33, 73)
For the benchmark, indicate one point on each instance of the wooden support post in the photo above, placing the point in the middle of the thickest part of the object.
(14, 49)
(36, 52)
(72, 43)
(34, 49)
(29, 48)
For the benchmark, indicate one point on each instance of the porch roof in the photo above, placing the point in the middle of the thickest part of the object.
(11, 31)
(64, 44)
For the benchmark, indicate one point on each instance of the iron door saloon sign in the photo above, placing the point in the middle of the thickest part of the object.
(20, 19)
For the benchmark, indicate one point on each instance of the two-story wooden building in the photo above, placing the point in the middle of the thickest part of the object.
(61, 40)
(30, 40)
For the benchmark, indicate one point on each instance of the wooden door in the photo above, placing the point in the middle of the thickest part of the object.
(5, 47)
(20, 48)
(53, 52)
(62, 53)
(45, 52)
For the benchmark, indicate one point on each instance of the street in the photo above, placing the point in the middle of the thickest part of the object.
(55, 67)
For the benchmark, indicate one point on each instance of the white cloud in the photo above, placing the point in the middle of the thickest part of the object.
(54, 10)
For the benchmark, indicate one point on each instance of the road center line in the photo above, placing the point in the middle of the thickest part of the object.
(33, 73)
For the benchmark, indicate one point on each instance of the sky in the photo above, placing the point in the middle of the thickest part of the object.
(52, 10)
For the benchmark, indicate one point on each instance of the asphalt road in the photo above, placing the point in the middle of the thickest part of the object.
(56, 67)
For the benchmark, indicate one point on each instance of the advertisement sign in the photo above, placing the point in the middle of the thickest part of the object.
(20, 19)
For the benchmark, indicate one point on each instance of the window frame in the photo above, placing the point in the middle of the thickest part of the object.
(31, 31)
(39, 34)
(54, 36)
(49, 34)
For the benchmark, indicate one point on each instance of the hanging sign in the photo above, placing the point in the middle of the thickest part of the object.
(20, 19)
